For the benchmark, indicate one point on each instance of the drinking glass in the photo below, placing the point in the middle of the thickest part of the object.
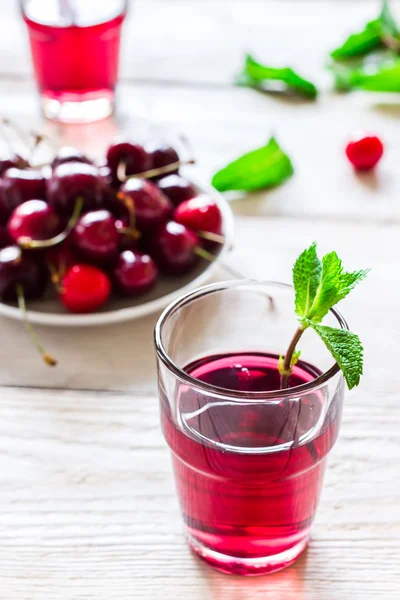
(248, 457)
(75, 52)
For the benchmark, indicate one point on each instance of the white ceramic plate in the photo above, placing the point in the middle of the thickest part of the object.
(50, 311)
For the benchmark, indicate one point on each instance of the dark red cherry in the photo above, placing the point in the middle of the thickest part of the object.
(134, 273)
(72, 180)
(128, 238)
(5, 208)
(12, 160)
(5, 238)
(95, 237)
(176, 188)
(162, 155)
(151, 207)
(134, 157)
(34, 219)
(59, 258)
(84, 288)
(69, 154)
(17, 268)
(173, 248)
(23, 184)
(200, 214)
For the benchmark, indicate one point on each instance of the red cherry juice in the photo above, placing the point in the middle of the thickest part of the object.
(249, 474)
(74, 61)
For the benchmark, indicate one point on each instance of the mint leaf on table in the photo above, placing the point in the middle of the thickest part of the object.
(382, 77)
(360, 43)
(345, 348)
(257, 75)
(319, 285)
(373, 36)
(265, 167)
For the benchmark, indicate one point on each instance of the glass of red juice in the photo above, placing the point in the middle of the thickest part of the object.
(75, 52)
(248, 457)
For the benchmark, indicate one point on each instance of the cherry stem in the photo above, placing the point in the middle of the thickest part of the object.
(130, 207)
(48, 359)
(122, 176)
(212, 237)
(287, 362)
(29, 244)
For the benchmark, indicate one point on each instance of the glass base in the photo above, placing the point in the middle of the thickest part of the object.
(247, 566)
(77, 109)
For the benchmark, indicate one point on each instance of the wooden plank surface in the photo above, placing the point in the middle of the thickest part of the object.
(88, 509)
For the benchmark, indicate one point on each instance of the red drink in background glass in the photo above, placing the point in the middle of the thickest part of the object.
(75, 51)
(248, 457)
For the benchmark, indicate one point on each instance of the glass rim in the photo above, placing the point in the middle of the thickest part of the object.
(185, 377)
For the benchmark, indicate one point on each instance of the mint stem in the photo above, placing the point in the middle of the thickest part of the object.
(287, 363)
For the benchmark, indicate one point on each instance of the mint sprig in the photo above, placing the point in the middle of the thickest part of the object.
(259, 76)
(265, 167)
(320, 285)
(376, 34)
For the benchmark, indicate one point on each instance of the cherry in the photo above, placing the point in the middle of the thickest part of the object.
(84, 288)
(151, 207)
(5, 238)
(59, 258)
(173, 247)
(162, 155)
(176, 188)
(200, 214)
(23, 184)
(72, 180)
(95, 236)
(134, 273)
(5, 208)
(134, 157)
(35, 220)
(69, 154)
(364, 152)
(17, 268)
(128, 237)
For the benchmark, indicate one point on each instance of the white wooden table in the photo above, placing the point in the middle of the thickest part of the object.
(87, 505)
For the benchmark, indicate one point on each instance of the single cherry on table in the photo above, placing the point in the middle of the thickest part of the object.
(364, 152)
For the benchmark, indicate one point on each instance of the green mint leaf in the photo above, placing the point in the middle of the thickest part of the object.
(334, 285)
(345, 348)
(255, 74)
(360, 43)
(306, 278)
(371, 37)
(381, 77)
(265, 167)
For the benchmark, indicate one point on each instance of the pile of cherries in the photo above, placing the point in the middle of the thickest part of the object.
(93, 230)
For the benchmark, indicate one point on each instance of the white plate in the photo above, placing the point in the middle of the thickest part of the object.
(50, 311)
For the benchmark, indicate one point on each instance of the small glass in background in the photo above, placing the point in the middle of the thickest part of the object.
(75, 51)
